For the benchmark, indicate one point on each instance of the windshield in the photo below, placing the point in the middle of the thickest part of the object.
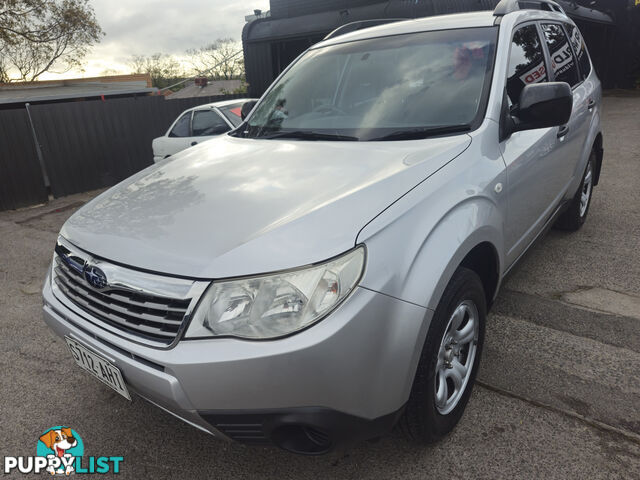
(399, 87)
(233, 113)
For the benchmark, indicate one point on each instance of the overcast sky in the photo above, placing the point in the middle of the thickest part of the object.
(145, 27)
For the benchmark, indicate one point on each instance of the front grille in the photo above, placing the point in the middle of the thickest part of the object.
(131, 310)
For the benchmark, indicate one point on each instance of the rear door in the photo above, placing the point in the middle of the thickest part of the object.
(176, 140)
(587, 93)
(565, 69)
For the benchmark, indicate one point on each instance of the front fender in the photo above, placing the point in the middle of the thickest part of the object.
(418, 242)
(420, 257)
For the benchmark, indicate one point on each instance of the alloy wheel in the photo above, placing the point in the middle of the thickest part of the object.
(587, 186)
(456, 356)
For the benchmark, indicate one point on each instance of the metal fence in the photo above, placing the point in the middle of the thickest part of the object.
(83, 145)
(21, 182)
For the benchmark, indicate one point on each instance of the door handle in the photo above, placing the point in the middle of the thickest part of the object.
(591, 104)
(194, 143)
(562, 131)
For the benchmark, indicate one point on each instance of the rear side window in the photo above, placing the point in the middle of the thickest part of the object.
(580, 48)
(564, 65)
(182, 128)
(526, 62)
(208, 122)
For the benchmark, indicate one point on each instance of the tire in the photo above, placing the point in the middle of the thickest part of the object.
(425, 419)
(575, 216)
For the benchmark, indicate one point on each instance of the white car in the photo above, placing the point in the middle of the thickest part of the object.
(198, 124)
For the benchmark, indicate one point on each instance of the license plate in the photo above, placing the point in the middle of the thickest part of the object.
(97, 366)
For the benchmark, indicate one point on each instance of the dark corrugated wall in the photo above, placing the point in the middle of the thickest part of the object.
(619, 48)
(21, 181)
(295, 8)
(427, 8)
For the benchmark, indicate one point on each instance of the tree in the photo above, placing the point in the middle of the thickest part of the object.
(37, 36)
(165, 70)
(4, 70)
(221, 59)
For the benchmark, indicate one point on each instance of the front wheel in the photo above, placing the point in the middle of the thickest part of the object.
(449, 362)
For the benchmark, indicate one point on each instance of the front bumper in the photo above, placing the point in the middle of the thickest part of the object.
(347, 377)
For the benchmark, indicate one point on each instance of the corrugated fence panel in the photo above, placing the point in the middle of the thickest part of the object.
(95, 144)
(21, 182)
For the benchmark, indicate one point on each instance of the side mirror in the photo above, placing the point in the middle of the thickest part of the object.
(246, 108)
(543, 105)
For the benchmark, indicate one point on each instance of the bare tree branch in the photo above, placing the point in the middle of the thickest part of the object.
(219, 59)
(163, 69)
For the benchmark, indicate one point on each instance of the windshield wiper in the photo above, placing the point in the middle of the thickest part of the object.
(425, 132)
(306, 135)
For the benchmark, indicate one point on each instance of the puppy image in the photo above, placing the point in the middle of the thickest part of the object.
(59, 441)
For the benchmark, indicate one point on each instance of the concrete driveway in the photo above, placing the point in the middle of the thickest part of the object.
(558, 393)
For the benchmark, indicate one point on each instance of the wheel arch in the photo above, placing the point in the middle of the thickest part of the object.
(483, 259)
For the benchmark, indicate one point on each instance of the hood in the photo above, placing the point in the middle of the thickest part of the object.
(233, 206)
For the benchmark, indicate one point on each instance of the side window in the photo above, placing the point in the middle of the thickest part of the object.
(182, 128)
(208, 122)
(565, 68)
(580, 48)
(526, 62)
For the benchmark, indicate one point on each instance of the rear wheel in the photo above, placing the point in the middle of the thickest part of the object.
(575, 216)
(449, 361)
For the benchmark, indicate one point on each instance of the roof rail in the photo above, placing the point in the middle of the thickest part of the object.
(354, 26)
(508, 6)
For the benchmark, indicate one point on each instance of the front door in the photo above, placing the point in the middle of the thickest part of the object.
(535, 170)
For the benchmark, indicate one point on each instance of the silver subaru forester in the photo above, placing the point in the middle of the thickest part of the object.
(323, 273)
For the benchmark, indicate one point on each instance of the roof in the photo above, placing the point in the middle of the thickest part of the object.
(213, 88)
(52, 90)
(137, 78)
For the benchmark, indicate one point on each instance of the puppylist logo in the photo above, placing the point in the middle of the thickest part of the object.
(60, 451)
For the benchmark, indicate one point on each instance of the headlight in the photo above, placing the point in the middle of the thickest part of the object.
(278, 304)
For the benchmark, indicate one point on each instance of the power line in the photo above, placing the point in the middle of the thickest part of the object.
(202, 73)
